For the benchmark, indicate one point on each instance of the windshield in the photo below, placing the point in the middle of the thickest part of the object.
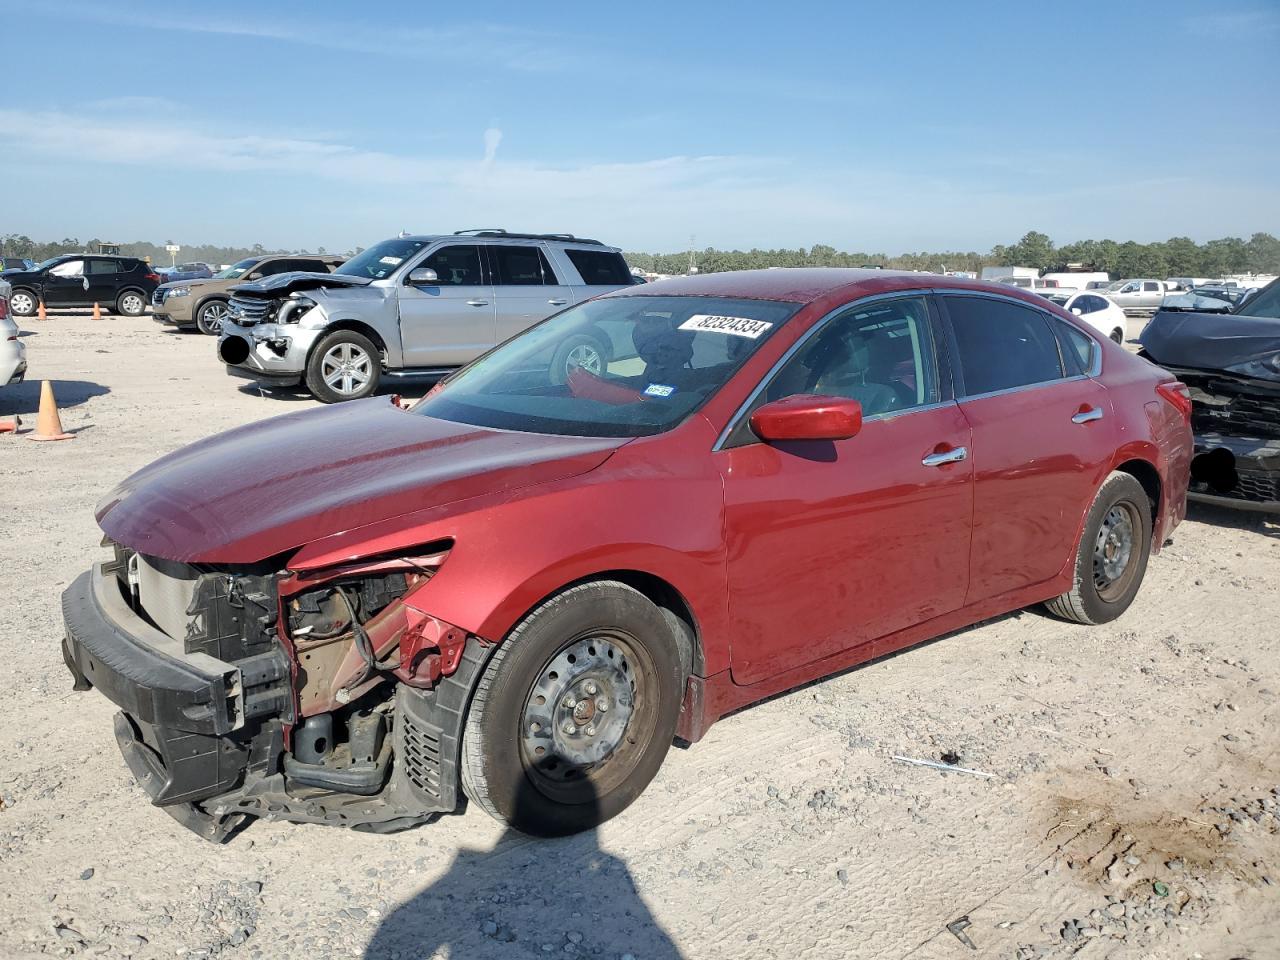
(614, 367)
(52, 261)
(1264, 304)
(236, 269)
(1054, 297)
(382, 259)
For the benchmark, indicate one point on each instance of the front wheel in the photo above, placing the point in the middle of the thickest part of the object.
(131, 304)
(344, 365)
(575, 711)
(210, 316)
(23, 303)
(1111, 557)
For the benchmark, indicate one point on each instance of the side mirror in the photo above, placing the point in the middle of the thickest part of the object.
(808, 417)
(423, 275)
(1077, 311)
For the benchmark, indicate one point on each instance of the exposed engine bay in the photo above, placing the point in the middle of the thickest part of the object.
(324, 698)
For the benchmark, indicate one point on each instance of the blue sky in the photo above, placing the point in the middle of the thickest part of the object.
(875, 127)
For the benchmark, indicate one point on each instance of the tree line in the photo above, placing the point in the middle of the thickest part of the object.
(1176, 257)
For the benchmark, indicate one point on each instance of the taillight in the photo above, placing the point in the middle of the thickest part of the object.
(4, 307)
(153, 277)
(1176, 392)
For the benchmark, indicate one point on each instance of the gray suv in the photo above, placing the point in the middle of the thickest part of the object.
(414, 306)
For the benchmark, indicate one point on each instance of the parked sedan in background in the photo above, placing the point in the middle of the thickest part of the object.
(188, 271)
(1095, 309)
(524, 587)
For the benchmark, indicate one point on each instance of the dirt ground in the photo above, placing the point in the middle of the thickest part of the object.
(1133, 811)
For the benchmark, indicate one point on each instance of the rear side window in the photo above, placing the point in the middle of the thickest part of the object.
(600, 267)
(1002, 345)
(1077, 349)
(521, 266)
(103, 266)
(1150, 285)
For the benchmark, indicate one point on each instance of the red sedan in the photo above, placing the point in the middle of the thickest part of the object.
(525, 587)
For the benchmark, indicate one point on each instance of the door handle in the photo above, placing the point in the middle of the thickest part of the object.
(1087, 416)
(557, 302)
(954, 455)
(477, 303)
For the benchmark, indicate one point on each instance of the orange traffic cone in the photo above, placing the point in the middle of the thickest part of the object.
(97, 313)
(10, 426)
(40, 310)
(48, 423)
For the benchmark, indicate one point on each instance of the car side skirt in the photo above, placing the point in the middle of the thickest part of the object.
(708, 699)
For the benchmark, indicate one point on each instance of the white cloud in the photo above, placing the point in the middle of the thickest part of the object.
(492, 137)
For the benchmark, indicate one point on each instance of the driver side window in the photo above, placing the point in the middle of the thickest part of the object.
(72, 268)
(456, 266)
(880, 354)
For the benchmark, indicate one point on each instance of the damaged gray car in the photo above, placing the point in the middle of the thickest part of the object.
(1231, 364)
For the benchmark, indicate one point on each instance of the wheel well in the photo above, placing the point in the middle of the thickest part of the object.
(221, 298)
(661, 594)
(1149, 477)
(133, 290)
(361, 328)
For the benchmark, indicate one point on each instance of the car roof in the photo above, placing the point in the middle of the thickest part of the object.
(808, 284)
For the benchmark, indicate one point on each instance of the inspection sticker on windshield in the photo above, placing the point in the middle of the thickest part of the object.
(659, 390)
(391, 261)
(737, 326)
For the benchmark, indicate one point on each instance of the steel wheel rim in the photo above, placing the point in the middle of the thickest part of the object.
(561, 758)
(213, 315)
(1114, 553)
(585, 356)
(346, 368)
(132, 303)
(27, 305)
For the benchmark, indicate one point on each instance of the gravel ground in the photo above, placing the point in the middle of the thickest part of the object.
(1133, 812)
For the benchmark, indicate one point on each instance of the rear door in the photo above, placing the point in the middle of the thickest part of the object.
(834, 545)
(103, 274)
(526, 287)
(1043, 437)
(453, 320)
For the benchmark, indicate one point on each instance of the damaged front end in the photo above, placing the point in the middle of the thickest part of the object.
(1231, 366)
(318, 697)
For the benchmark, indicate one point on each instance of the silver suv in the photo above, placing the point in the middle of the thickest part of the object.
(415, 306)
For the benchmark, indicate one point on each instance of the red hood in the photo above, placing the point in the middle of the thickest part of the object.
(266, 488)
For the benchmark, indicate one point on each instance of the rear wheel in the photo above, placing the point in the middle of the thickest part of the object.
(23, 303)
(344, 365)
(575, 711)
(1111, 557)
(132, 303)
(578, 351)
(210, 316)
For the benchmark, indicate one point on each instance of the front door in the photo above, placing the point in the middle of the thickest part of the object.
(527, 288)
(65, 284)
(832, 545)
(451, 321)
(1043, 437)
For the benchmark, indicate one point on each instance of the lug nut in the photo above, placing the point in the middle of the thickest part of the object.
(569, 728)
(591, 688)
(591, 731)
(570, 703)
(602, 704)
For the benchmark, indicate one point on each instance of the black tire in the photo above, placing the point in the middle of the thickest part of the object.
(131, 303)
(209, 317)
(365, 373)
(551, 794)
(1104, 588)
(580, 350)
(1117, 335)
(24, 303)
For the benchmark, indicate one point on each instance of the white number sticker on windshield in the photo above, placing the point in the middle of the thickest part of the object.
(391, 261)
(737, 326)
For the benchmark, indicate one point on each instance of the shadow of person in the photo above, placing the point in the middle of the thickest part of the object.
(563, 897)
